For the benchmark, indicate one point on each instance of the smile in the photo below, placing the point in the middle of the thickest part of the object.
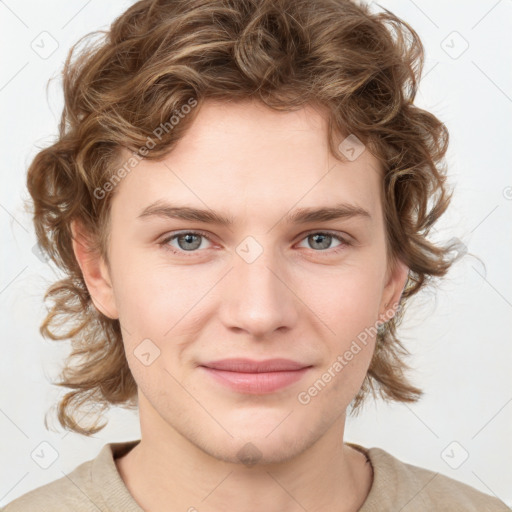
(253, 377)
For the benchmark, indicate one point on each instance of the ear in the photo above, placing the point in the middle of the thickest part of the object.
(396, 280)
(95, 272)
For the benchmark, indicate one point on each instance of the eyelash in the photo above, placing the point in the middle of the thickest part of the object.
(165, 243)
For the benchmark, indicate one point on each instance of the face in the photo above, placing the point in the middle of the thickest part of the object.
(272, 283)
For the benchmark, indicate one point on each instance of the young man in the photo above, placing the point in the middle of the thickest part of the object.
(239, 197)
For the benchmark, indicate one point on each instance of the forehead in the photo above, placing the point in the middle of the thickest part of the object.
(243, 156)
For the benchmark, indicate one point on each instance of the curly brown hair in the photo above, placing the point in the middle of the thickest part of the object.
(362, 67)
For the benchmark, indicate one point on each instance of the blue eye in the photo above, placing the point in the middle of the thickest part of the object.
(188, 241)
(324, 239)
(191, 241)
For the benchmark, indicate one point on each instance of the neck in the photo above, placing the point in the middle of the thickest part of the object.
(167, 468)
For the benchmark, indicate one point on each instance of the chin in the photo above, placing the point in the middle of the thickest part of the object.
(260, 443)
(251, 452)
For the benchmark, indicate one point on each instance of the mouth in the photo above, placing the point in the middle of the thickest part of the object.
(255, 377)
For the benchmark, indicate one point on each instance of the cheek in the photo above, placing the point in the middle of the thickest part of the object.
(349, 344)
(346, 300)
(152, 295)
(156, 300)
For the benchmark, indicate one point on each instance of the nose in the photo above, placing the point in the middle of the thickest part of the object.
(259, 296)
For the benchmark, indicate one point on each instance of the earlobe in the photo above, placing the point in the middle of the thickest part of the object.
(94, 272)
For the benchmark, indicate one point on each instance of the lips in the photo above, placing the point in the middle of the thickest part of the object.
(255, 377)
(250, 366)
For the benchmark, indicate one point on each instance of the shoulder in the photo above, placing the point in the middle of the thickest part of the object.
(92, 486)
(67, 493)
(413, 488)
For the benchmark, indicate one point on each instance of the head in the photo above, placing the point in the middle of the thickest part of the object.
(255, 111)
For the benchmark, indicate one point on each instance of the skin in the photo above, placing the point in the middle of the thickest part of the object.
(295, 300)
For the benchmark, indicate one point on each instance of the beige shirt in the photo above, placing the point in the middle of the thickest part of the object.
(96, 485)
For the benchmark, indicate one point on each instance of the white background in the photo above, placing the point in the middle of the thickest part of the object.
(460, 336)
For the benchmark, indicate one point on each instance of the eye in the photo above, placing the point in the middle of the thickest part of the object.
(191, 242)
(321, 240)
(187, 241)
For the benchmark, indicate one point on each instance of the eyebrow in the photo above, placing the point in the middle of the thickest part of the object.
(299, 216)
